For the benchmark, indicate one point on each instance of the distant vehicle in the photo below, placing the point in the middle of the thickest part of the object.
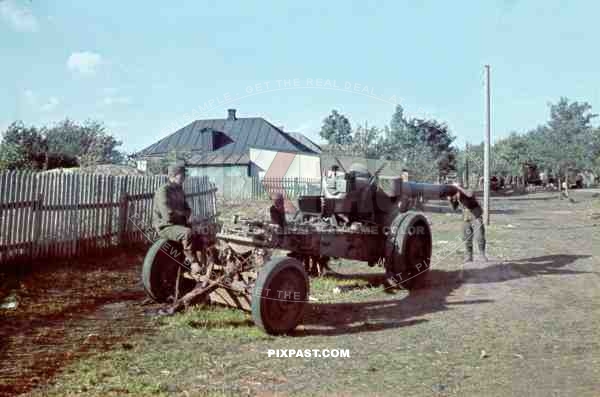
(574, 178)
(494, 183)
(531, 173)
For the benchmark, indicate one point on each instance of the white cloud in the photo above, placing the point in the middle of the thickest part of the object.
(119, 100)
(52, 103)
(84, 63)
(18, 17)
(30, 97)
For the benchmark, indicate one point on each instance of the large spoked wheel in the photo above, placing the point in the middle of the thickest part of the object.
(280, 295)
(159, 273)
(409, 250)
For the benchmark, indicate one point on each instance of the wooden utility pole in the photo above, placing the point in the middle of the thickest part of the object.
(486, 149)
(466, 180)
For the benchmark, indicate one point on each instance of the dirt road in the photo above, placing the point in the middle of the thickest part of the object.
(524, 323)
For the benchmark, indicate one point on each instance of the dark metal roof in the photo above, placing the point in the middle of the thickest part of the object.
(244, 133)
(305, 141)
(219, 157)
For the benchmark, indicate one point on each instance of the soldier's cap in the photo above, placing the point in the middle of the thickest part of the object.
(176, 169)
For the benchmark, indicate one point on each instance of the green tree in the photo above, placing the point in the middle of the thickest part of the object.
(336, 129)
(436, 136)
(593, 151)
(22, 147)
(11, 157)
(366, 142)
(88, 143)
(400, 137)
(564, 141)
(424, 145)
(66, 144)
(510, 153)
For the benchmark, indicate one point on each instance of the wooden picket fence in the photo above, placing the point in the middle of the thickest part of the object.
(45, 215)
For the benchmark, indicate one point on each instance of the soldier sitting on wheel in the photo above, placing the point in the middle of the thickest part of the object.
(473, 221)
(171, 213)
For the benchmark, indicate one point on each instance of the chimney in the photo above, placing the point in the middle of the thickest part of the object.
(231, 114)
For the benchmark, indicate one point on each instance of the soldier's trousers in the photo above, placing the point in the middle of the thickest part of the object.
(182, 234)
(470, 228)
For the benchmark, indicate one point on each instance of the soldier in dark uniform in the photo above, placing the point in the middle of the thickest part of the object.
(277, 210)
(472, 222)
(171, 213)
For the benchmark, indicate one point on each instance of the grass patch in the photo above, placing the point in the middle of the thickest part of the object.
(424, 342)
(214, 321)
(329, 289)
(186, 349)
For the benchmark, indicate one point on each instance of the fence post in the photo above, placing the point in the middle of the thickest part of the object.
(296, 187)
(123, 217)
(560, 196)
(37, 224)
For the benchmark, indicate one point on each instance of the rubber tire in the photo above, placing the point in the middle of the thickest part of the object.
(268, 278)
(405, 258)
(159, 271)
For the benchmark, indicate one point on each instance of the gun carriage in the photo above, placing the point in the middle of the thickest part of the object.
(359, 216)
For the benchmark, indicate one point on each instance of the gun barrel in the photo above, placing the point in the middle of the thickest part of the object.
(427, 190)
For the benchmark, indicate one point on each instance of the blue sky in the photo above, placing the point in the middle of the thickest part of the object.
(148, 68)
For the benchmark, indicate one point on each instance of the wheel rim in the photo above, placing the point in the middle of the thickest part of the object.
(160, 273)
(418, 251)
(285, 300)
(167, 274)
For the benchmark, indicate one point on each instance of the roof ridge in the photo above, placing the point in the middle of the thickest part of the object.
(290, 138)
(155, 144)
(243, 133)
(305, 137)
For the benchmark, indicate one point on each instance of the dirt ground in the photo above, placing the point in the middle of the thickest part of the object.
(524, 323)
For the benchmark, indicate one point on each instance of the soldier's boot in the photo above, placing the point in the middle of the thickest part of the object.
(468, 241)
(468, 250)
(482, 256)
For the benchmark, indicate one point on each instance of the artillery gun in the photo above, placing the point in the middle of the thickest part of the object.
(371, 219)
(359, 216)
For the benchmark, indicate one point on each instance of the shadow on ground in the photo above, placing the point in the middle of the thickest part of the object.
(528, 197)
(445, 209)
(430, 297)
(67, 310)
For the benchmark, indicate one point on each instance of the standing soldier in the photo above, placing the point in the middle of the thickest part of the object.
(472, 221)
(277, 210)
(171, 213)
